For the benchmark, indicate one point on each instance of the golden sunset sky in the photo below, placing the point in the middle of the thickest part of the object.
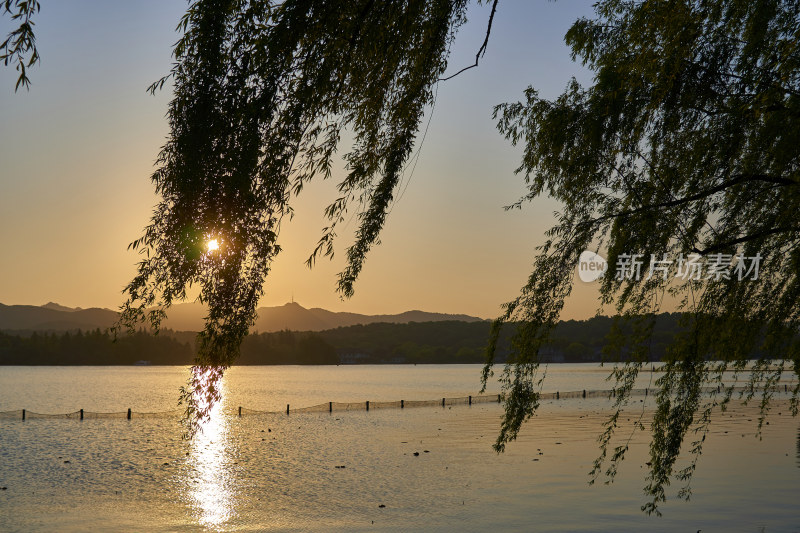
(77, 151)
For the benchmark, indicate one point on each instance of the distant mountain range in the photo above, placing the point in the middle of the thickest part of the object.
(189, 317)
(54, 317)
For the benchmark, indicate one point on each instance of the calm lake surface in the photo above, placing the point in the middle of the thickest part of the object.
(284, 473)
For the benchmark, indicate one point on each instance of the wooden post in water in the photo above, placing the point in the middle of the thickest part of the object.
(129, 413)
(240, 411)
(402, 404)
(287, 408)
(557, 396)
(498, 398)
(584, 393)
(470, 399)
(81, 414)
(367, 405)
(646, 391)
(442, 402)
(330, 407)
(23, 414)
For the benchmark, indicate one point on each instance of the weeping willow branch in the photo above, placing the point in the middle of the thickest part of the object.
(262, 93)
(687, 140)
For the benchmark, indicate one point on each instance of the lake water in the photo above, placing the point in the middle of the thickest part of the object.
(279, 473)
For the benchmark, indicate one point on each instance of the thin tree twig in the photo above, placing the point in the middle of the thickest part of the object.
(482, 49)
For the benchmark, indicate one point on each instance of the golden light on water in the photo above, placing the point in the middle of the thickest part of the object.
(210, 481)
(212, 245)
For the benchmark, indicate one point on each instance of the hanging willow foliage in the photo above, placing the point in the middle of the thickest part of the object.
(262, 94)
(688, 142)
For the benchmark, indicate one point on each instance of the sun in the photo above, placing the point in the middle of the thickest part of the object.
(212, 245)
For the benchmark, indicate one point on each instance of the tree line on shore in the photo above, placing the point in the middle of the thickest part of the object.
(415, 342)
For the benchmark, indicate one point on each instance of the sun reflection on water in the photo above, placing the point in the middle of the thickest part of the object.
(210, 479)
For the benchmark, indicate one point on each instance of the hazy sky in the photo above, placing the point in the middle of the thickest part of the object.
(77, 151)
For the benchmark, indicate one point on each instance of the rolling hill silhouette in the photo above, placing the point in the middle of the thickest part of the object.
(53, 317)
(189, 317)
